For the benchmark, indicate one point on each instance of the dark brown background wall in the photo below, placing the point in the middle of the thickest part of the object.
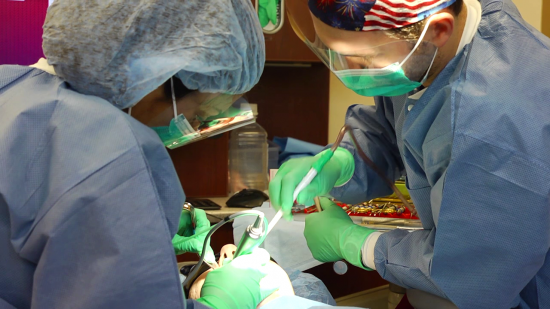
(293, 101)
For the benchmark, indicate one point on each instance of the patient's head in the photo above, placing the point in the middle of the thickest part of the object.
(274, 272)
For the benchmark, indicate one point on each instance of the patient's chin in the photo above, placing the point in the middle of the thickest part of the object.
(195, 291)
(274, 272)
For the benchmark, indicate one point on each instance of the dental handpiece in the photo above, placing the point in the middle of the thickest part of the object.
(194, 273)
(252, 238)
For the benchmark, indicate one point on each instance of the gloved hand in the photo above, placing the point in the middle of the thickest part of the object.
(187, 240)
(267, 11)
(336, 172)
(237, 284)
(331, 235)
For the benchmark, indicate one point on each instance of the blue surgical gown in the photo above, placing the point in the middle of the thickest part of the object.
(89, 201)
(476, 151)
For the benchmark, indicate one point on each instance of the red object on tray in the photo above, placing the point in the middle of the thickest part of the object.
(307, 210)
(405, 215)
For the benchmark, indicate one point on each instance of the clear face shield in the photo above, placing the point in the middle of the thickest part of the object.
(370, 63)
(200, 108)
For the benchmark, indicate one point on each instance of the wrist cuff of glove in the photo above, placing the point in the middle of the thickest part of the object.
(354, 238)
(347, 165)
(212, 302)
(217, 302)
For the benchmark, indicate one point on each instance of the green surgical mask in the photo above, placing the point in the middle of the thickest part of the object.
(179, 132)
(393, 82)
(388, 81)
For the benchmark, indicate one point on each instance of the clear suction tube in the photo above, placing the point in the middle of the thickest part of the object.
(373, 166)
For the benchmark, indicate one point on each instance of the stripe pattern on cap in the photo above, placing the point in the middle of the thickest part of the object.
(371, 15)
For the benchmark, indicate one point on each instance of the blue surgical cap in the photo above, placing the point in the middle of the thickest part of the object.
(121, 50)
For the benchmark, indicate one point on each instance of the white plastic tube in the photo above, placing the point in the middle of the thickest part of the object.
(304, 183)
(274, 221)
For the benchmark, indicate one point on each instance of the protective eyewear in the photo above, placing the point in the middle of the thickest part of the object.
(340, 57)
(208, 106)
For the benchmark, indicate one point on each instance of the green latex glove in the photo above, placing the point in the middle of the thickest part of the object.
(336, 172)
(331, 235)
(187, 240)
(237, 284)
(267, 11)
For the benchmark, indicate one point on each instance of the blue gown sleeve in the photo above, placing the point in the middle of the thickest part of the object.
(374, 131)
(483, 254)
(94, 205)
(105, 243)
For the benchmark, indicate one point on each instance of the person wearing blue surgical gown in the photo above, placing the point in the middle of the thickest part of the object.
(474, 144)
(89, 198)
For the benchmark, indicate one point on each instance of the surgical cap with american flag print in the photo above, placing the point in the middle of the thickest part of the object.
(369, 15)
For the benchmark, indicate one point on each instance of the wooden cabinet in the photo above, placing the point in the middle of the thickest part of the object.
(202, 166)
(353, 281)
(294, 102)
(545, 27)
(285, 46)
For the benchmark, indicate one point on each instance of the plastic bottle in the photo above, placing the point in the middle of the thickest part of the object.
(248, 151)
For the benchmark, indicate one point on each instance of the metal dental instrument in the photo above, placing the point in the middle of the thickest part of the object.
(317, 204)
(252, 238)
(189, 207)
(315, 168)
(325, 157)
(250, 244)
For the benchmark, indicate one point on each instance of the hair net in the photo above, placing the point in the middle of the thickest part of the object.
(121, 50)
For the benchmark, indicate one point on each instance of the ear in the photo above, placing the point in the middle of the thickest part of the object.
(441, 28)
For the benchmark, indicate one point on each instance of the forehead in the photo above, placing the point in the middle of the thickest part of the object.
(348, 42)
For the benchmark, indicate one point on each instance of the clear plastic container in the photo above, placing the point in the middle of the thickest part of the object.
(248, 155)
